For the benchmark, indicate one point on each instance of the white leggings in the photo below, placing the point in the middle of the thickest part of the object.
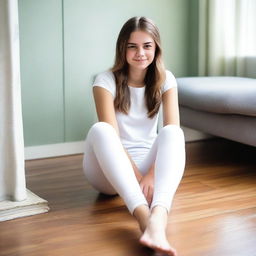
(109, 170)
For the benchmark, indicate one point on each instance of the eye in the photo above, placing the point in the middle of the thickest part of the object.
(148, 46)
(131, 46)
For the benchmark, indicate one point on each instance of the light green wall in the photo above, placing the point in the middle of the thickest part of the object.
(192, 45)
(41, 71)
(64, 44)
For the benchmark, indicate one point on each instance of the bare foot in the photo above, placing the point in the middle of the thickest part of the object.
(154, 235)
(141, 213)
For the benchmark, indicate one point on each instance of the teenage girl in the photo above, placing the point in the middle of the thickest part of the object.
(124, 154)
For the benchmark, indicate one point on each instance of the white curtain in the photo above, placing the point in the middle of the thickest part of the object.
(227, 36)
(12, 174)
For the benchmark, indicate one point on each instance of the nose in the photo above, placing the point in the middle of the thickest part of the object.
(140, 52)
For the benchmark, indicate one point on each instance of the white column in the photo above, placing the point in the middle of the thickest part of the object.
(12, 174)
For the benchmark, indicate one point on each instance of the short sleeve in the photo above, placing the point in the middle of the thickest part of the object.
(106, 80)
(170, 81)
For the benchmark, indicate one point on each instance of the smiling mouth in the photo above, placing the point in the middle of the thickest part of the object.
(140, 59)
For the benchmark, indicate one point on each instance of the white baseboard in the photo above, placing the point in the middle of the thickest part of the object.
(53, 150)
(77, 147)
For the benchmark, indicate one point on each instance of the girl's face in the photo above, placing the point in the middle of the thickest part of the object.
(140, 50)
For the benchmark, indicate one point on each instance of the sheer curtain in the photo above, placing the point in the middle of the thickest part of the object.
(12, 174)
(227, 36)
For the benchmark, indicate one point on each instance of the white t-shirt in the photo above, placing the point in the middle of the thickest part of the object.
(136, 129)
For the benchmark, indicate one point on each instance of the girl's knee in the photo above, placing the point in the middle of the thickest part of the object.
(101, 128)
(172, 128)
(172, 131)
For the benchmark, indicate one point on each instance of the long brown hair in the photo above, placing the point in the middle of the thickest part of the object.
(155, 75)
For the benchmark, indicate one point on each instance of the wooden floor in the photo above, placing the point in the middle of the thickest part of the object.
(213, 214)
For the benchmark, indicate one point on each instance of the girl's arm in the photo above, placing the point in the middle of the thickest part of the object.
(104, 103)
(171, 107)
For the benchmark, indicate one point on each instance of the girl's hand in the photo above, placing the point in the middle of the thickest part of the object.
(147, 186)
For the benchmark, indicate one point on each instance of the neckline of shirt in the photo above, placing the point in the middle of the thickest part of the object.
(137, 87)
